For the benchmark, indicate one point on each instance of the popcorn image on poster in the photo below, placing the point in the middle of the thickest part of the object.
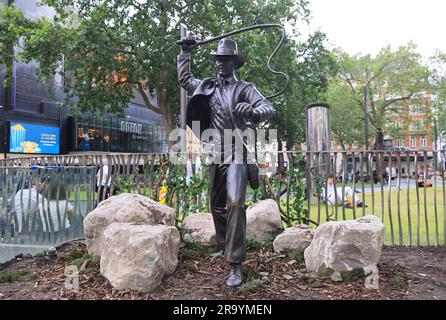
(18, 134)
(30, 138)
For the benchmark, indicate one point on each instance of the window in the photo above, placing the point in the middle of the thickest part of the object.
(423, 142)
(415, 110)
(413, 142)
(118, 135)
(416, 126)
(400, 143)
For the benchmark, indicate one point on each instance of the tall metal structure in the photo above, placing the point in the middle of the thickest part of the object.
(183, 93)
(318, 139)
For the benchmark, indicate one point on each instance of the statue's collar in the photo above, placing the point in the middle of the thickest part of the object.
(230, 80)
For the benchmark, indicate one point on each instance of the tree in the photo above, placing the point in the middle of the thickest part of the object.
(118, 49)
(310, 67)
(438, 81)
(394, 79)
(310, 71)
(13, 27)
(347, 120)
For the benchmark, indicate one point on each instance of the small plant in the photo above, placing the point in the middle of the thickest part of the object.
(356, 273)
(253, 245)
(78, 257)
(192, 250)
(183, 230)
(73, 255)
(98, 278)
(189, 267)
(250, 274)
(122, 185)
(14, 276)
(398, 282)
(298, 256)
(252, 285)
(88, 270)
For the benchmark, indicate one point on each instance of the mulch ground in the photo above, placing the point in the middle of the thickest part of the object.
(405, 273)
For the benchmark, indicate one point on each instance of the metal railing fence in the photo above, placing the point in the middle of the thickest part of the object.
(405, 189)
(41, 207)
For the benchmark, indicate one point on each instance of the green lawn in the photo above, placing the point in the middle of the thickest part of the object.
(400, 222)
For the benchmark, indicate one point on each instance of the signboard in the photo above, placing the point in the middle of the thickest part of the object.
(131, 127)
(33, 139)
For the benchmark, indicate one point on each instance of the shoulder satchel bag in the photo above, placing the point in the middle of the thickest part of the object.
(253, 169)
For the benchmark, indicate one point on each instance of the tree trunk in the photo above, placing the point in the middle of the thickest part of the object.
(380, 171)
(163, 104)
(379, 140)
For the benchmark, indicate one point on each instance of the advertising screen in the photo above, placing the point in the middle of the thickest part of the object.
(33, 139)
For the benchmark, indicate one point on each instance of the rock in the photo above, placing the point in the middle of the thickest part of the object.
(295, 239)
(139, 256)
(202, 229)
(125, 208)
(263, 218)
(348, 245)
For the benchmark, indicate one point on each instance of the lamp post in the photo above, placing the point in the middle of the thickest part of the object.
(183, 92)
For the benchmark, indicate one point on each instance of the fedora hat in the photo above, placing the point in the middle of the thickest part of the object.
(228, 48)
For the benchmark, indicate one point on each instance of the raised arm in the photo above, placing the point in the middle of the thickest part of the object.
(185, 77)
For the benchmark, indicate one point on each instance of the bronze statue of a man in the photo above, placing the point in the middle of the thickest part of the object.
(212, 102)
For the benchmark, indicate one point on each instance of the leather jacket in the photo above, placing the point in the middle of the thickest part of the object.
(198, 108)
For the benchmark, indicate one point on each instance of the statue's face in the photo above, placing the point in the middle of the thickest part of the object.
(225, 66)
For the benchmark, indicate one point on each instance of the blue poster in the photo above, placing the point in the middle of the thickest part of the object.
(31, 138)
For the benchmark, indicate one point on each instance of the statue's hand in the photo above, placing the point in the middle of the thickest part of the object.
(244, 109)
(187, 44)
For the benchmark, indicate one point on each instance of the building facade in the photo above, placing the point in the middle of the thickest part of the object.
(418, 135)
(26, 108)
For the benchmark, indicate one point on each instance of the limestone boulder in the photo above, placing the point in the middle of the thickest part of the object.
(295, 239)
(201, 229)
(343, 246)
(139, 256)
(262, 218)
(125, 208)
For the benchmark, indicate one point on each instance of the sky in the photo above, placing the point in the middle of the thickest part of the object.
(366, 26)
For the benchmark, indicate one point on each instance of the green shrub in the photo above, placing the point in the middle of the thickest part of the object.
(398, 282)
(356, 273)
(253, 245)
(192, 250)
(13, 276)
(78, 257)
(74, 255)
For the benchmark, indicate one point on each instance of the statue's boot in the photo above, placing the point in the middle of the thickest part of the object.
(235, 277)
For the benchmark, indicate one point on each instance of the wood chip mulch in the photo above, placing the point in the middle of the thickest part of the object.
(199, 276)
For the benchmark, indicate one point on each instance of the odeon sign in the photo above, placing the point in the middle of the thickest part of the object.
(131, 127)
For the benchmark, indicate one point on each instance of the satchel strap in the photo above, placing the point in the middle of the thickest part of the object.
(223, 104)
